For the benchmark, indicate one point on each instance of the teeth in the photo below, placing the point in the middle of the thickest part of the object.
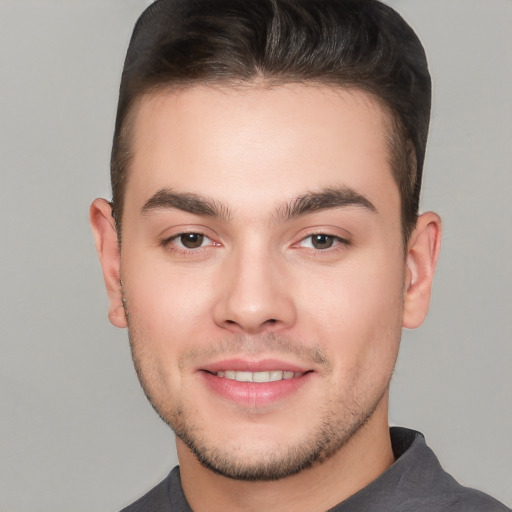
(243, 377)
(271, 376)
(275, 375)
(266, 376)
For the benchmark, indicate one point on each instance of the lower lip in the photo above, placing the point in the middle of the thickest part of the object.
(254, 394)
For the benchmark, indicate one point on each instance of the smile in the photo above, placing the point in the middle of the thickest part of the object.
(270, 376)
(255, 384)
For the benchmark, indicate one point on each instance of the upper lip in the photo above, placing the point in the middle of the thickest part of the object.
(245, 365)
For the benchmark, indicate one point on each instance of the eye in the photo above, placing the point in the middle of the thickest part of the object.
(188, 241)
(321, 241)
(191, 240)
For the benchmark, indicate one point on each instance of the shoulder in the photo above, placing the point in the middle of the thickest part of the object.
(156, 500)
(427, 487)
(167, 496)
(451, 495)
(454, 499)
(448, 494)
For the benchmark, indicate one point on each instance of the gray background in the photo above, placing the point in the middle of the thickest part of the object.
(76, 432)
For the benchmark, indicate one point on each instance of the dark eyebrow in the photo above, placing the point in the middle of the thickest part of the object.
(323, 200)
(302, 205)
(187, 202)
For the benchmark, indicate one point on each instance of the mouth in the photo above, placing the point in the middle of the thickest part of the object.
(259, 377)
(253, 384)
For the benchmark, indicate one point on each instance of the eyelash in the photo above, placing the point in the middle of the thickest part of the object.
(337, 243)
(168, 243)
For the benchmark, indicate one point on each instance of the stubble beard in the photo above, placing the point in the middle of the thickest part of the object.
(337, 423)
(327, 439)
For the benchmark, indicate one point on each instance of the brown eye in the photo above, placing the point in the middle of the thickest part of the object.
(191, 240)
(322, 241)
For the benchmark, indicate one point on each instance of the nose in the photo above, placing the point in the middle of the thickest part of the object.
(253, 296)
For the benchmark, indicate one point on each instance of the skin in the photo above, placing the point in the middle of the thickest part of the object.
(257, 289)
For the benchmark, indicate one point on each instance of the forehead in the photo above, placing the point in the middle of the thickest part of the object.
(259, 145)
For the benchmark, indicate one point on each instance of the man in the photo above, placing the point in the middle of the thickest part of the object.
(264, 248)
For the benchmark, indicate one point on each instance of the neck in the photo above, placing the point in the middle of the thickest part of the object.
(363, 458)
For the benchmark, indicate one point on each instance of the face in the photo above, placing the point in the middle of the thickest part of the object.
(263, 271)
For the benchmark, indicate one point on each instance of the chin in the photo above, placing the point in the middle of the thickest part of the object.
(253, 453)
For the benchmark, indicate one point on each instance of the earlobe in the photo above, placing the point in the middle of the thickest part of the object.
(422, 253)
(107, 247)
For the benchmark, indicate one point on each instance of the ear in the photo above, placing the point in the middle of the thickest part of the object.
(422, 253)
(105, 236)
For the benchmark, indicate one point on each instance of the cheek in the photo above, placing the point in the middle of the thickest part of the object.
(356, 311)
(365, 288)
(167, 314)
(167, 305)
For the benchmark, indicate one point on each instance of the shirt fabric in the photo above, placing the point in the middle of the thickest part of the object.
(416, 482)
